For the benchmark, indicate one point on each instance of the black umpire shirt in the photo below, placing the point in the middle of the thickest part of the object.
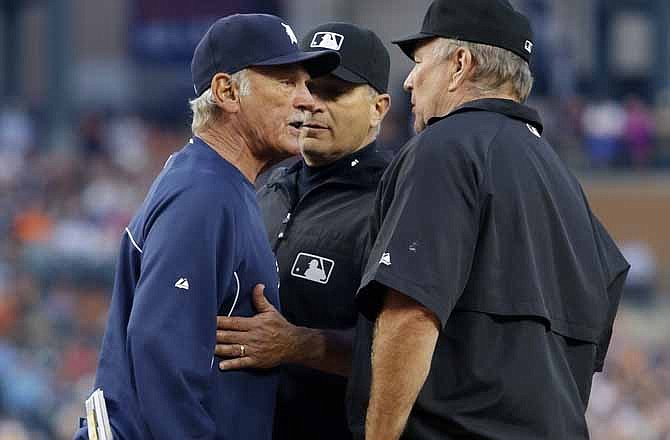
(479, 220)
(317, 220)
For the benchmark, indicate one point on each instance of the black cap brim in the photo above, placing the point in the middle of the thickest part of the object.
(347, 75)
(408, 44)
(317, 63)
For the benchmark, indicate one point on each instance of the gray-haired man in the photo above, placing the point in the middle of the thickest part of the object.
(491, 289)
(197, 246)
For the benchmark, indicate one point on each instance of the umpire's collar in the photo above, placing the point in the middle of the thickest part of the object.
(363, 167)
(506, 107)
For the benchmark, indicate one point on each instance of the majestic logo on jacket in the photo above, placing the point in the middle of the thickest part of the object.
(182, 283)
(312, 267)
(534, 130)
(386, 259)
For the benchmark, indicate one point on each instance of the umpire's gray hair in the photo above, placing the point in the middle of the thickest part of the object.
(495, 67)
(204, 108)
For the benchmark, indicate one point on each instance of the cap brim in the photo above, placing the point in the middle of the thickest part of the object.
(347, 75)
(408, 44)
(317, 63)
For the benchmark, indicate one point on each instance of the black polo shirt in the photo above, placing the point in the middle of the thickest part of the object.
(479, 220)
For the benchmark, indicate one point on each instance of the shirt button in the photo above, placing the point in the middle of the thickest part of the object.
(280, 236)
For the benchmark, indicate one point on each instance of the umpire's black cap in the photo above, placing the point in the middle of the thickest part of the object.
(239, 41)
(492, 22)
(365, 59)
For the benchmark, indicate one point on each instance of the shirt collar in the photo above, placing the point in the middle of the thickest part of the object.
(360, 167)
(506, 107)
(367, 157)
(360, 158)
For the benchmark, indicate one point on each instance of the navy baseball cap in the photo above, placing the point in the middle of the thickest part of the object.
(491, 22)
(239, 41)
(365, 59)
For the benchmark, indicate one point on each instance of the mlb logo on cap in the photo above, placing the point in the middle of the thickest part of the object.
(327, 40)
(364, 59)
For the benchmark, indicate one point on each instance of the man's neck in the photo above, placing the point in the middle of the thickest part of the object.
(234, 148)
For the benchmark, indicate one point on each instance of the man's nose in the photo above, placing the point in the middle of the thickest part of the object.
(303, 99)
(408, 85)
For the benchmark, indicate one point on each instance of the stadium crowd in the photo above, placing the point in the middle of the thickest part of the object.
(62, 212)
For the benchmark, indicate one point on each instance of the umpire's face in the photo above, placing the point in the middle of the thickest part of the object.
(275, 108)
(340, 122)
(429, 84)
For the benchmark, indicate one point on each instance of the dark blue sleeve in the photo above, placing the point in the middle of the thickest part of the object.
(187, 258)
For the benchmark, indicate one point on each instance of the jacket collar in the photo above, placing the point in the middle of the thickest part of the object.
(505, 107)
(362, 167)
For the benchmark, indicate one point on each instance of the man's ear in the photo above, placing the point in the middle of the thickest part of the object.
(225, 93)
(379, 109)
(461, 68)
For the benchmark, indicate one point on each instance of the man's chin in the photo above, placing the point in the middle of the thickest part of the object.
(419, 126)
(310, 144)
(288, 148)
(417, 123)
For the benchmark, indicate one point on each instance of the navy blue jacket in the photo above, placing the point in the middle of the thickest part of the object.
(195, 249)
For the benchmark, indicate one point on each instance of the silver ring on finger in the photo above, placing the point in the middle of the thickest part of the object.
(242, 350)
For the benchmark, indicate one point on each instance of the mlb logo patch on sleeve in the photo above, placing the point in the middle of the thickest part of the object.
(312, 267)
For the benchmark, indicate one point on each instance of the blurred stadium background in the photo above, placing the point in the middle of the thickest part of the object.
(94, 99)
